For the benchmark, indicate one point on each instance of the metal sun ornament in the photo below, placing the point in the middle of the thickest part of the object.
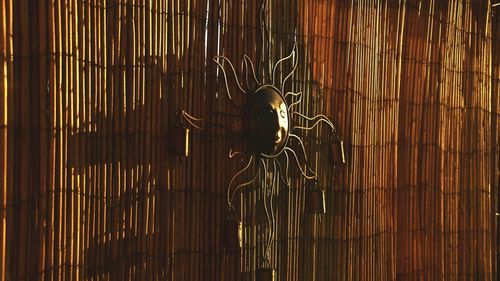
(269, 118)
(268, 125)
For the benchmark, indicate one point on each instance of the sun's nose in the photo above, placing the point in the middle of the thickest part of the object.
(275, 121)
(275, 128)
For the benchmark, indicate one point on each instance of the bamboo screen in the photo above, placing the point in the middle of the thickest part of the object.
(89, 192)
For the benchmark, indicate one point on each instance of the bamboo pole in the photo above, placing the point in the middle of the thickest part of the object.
(4, 113)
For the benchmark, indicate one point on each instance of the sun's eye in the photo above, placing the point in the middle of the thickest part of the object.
(270, 111)
(282, 113)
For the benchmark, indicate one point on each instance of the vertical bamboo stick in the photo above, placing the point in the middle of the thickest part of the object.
(4, 126)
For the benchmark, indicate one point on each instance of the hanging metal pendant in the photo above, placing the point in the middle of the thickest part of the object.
(233, 232)
(178, 141)
(265, 274)
(337, 151)
(316, 202)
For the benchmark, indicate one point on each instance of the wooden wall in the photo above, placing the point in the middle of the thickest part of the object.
(89, 192)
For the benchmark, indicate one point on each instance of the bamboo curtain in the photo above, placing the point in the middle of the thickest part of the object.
(89, 192)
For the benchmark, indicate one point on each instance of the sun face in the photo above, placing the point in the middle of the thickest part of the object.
(266, 121)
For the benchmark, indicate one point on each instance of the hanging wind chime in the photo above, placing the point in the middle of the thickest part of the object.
(269, 115)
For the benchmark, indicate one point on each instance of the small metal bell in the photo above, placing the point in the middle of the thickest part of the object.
(265, 274)
(178, 140)
(233, 232)
(316, 203)
(337, 150)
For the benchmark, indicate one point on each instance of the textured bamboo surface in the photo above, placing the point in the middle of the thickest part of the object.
(88, 190)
